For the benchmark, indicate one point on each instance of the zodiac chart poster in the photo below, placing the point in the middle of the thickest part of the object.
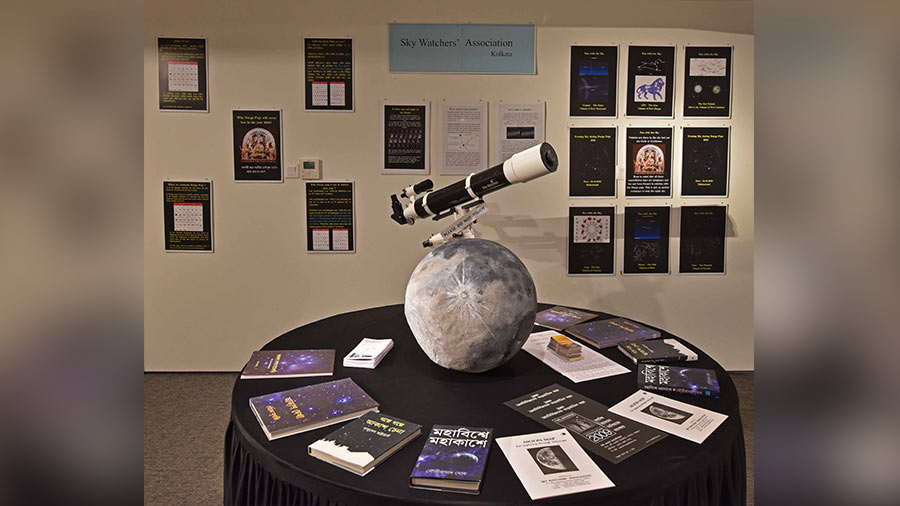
(592, 162)
(704, 162)
(651, 81)
(328, 72)
(646, 240)
(182, 74)
(329, 217)
(591, 242)
(649, 169)
(702, 240)
(592, 81)
(257, 146)
(707, 82)
(405, 137)
(187, 215)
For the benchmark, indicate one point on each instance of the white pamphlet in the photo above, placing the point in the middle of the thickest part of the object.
(594, 365)
(464, 133)
(368, 353)
(519, 126)
(675, 417)
(552, 463)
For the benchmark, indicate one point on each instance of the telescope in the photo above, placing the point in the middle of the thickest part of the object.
(467, 193)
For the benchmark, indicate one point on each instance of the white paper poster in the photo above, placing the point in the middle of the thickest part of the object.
(675, 417)
(594, 365)
(519, 126)
(464, 127)
(552, 463)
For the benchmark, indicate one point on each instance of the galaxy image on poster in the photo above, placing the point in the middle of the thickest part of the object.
(405, 137)
(329, 216)
(649, 169)
(592, 81)
(705, 161)
(707, 82)
(651, 81)
(182, 74)
(187, 215)
(646, 240)
(328, 74)
(591, 245)
(257, 145)
(702, 239)
(592, 162)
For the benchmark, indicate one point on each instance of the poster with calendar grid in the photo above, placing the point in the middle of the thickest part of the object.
(182, 74)
(187, 216)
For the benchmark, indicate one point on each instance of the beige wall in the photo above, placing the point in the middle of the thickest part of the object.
(206, 312)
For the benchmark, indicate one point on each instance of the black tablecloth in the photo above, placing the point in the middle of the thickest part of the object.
(408, 385)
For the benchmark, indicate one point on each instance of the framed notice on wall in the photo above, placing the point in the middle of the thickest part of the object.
(591, 244)
(646, 240)
(649, 158)
(707, 82)
(187, 216)
(328, 74)
(651, 81)
(182, 74)
(705, 157)
(702, 248)
(592, 162)
(404, 137)
(257, 146)
(330, 217)
(593, 78)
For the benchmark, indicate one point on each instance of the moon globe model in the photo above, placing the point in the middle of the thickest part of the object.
(470, 304)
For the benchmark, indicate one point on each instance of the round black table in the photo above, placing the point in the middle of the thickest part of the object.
(408, 385)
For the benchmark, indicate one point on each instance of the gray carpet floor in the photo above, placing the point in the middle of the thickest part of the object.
(185, 415)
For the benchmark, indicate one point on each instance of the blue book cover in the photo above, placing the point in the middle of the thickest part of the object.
(301, 409)
(608, 333)
(683, 380)
(289, 364)
(453, 459)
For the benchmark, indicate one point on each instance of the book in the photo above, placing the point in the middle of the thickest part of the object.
(657, 350)
(364, 443)
(608, 333)
(682, 380)
(289, 364)
(561, 317)
(551, 463)
(368, 353)
(306, 408)
(675, 417)
(565, 347)
(453, 459)
(613, 437)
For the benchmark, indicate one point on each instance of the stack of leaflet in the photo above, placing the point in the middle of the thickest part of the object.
(368, 353)
(565, 347)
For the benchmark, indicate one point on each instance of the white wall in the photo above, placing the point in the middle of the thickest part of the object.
(206, 312)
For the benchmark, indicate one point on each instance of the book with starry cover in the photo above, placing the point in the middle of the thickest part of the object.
(561, 317)
(608, 333)
(306, 408)
(289, 364)
(657, 350)
(453, 459)
(682, 380)
(364, 443)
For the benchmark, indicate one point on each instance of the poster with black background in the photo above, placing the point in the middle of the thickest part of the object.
(592, 81)
(651, 81)
(187, 215)
(591, 245)
(257, 145)
(707, 82)
(328, 73)
(182, 74)
(705, 161)
(649, 169)
(405, 138)
(592, 162)
(646, 240)
(329, 217)
(702, 239)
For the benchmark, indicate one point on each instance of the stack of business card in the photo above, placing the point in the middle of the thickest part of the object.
(368, 353)
(565, 347)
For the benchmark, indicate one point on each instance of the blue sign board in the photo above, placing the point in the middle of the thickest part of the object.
(467, 49)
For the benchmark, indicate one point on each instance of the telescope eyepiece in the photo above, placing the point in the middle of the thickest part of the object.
(549, 157)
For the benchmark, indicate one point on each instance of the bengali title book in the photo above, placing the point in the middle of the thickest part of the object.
(453, 459)
(682, 380)
(609, 333)
(306, 408)
(657, 350)
(561, 318)
(289, 364)
(364, 443)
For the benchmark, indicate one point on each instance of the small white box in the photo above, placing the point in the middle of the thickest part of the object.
(311, 169)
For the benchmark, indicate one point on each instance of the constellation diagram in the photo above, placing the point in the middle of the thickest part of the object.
(591, 229)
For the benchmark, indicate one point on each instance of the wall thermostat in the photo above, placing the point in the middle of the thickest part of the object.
(310, 169)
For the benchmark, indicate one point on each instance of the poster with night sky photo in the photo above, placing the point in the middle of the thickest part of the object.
(651, 81)
(707, 82)
(289, 364)
(705, 158)
(591, 244)
(405, 131)
(702, 240)
(592, 81)
(646, 240)
(592, 162)
(648, 172)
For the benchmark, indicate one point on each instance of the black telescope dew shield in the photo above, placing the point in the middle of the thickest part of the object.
(521, 167)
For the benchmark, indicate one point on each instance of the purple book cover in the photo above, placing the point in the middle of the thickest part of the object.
(609, 333)
(289, 364)
(561, 318)
(454, 453)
